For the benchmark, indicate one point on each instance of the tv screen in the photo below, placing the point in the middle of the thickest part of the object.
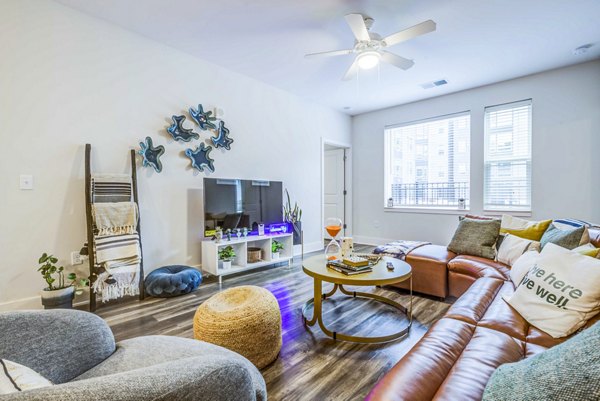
(231, 203)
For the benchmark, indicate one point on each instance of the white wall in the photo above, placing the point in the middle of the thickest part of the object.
(67, 79)
(566, 142)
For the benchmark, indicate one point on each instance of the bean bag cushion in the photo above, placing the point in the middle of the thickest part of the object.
(171, 281)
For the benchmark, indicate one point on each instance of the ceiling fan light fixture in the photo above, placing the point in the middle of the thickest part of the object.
(368, 59)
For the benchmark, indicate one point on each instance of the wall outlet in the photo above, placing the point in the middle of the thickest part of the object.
(76, 258)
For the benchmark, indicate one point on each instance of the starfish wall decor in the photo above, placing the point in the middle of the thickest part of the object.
(178, 132)
(222, 139)
(202, 118)
(151, 155)
(200, 158)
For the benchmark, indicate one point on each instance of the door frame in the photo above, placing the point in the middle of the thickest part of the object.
(348, 184)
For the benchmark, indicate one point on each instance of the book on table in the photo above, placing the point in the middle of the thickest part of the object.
(341, 267)
(355, 261)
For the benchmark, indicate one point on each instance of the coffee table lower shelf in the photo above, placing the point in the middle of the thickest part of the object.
(317, 303)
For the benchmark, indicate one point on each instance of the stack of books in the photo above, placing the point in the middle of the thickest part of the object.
(351, 266)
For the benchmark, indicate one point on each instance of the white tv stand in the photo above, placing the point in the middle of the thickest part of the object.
(210, 253)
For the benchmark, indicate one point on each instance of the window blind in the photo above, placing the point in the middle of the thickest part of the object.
(507, 158)
(427, 162)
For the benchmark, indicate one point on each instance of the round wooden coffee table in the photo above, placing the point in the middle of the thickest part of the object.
(316, 267)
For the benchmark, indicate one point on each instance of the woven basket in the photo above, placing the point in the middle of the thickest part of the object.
(243, 319)
(254, 255)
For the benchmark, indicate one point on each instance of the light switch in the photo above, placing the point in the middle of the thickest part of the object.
(26, 181)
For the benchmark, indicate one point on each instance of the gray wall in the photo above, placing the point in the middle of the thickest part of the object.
(566, 141)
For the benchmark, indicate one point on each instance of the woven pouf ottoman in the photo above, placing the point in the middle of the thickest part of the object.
(243, 319)
(171, 281)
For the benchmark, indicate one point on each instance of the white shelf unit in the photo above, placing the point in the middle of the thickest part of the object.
(210, 253)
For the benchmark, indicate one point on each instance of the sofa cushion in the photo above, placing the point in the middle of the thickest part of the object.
(471, 306)
(429, 271)
(560, 293)
(567, 371)
(475, 237)
(479, 267)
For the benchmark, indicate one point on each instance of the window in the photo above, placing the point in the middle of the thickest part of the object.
(507, 176)
(436, 174)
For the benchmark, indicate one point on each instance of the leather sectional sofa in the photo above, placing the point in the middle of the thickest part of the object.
(480, 332)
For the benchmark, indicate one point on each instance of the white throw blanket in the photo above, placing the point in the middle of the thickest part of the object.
(115, 218)
(118, 282)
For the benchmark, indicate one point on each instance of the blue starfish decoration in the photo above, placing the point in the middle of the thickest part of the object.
(178, 132)
(202, 118)
(151, 155)
(222, 140)
(200, 157)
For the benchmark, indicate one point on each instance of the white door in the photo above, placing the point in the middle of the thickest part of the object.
(333, 191)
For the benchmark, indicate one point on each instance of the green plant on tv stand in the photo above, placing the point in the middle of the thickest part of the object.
(276, 246)
(227, 253)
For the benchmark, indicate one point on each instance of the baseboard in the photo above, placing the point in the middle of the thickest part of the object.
(21, 304)
(309, 247)
(374, 241)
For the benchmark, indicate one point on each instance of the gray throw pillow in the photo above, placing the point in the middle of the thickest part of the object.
(475, 237)
(566, 238)
(568, 371)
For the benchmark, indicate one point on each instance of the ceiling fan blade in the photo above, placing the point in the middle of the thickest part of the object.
(352, 71)
(409, 33)
(330, 53)
(396, 60)
(357, 24)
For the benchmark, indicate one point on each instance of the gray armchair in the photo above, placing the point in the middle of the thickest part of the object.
(77, 352)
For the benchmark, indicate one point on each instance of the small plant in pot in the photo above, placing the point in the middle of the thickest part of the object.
(276, 246)
(226, 255)
(61, 289)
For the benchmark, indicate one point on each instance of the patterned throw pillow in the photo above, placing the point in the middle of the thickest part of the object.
(569, 239)
(568, 371)
(588, 250)
(475, 237)
(532, 230)
(569, 224)
(560, 293)
(15, 378)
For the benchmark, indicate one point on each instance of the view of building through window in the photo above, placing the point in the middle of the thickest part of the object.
(507, 176)
(428, 162)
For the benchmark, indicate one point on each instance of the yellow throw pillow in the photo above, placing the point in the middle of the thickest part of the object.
(588, 250)
(532, 230)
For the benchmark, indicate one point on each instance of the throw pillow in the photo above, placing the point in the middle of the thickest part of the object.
(569, 224)
(15, 378)
(512, 247)
(475, 237)
(588, 250)
(560, 292)
(532, 230)
(568, 371)
(476, 217)
(565, 238)
(522, 266)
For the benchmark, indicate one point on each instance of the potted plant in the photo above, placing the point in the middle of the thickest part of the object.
(61, 290)
(226, 255)
(294, 217)
(276, 246)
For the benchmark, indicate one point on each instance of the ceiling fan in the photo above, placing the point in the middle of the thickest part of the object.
(369, 46)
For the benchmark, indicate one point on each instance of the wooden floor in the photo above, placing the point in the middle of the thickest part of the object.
(310, 366)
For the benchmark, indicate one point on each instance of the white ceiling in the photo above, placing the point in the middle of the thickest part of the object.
(477, 42)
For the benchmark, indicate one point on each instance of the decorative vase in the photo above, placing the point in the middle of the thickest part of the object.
(218, 236)
(275, 255)
(297, 227)
(226, 264)
(58, 299)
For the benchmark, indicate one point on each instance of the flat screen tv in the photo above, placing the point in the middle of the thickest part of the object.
(231, 203)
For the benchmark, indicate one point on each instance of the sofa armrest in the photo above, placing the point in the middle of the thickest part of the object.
(59, 344)
(184, 379)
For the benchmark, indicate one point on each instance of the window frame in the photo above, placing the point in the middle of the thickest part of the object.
(515, 211)
(387, 168)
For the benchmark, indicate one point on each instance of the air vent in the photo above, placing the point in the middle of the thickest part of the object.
(433, 84)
